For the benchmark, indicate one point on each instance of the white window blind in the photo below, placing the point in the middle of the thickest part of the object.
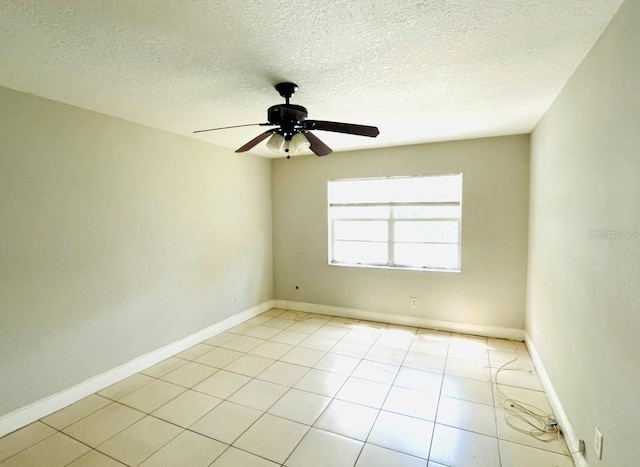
(398, 222)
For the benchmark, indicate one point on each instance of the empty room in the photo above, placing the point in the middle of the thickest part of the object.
(320, 234)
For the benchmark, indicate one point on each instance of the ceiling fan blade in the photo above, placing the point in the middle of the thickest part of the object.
(261, 137)
(317, 146)
(233, 126)
(349, 128)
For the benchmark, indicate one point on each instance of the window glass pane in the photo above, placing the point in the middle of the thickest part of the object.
(433, 189)
(360, 252)
(426, 212)
(359, 191)
(436, 188)
(360, 212)
(361, 230)
(427, 231)
(426, 255)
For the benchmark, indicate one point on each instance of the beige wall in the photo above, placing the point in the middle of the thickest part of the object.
(116, 239)
(584, 293)
(491, 288)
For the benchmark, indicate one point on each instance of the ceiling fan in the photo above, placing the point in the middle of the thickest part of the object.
(292, 132)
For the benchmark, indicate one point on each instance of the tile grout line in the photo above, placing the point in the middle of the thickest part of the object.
(31, 445)
(435, 416)
(332, 399)
(231, 402)
(382, 405)
(345, 382)
(264, 412)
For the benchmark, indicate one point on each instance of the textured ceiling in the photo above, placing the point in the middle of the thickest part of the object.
(422, 71)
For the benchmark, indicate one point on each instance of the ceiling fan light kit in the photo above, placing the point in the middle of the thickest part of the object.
(293, 131)
(275, 143)
(298, 142)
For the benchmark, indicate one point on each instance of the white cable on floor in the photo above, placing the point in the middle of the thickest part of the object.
(543, 426)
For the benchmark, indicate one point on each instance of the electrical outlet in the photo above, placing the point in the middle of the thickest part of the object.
(413, 301)
(236, 300)
(597, 443)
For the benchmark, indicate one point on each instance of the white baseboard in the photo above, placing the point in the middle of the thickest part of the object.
(478, 330)
(563, 420)
(35, 411)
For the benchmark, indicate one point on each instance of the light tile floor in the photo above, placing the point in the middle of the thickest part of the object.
(295, 389)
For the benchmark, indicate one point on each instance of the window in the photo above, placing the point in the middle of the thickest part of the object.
(396, 222)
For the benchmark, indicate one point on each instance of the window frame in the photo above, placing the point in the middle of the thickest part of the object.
(392, 221)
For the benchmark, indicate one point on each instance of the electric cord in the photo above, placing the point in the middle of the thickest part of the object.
(539, 424)
(542, 426)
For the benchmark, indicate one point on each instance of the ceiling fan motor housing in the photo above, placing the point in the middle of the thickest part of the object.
(288, 116)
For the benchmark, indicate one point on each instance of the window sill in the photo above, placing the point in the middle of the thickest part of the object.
(395, 268)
